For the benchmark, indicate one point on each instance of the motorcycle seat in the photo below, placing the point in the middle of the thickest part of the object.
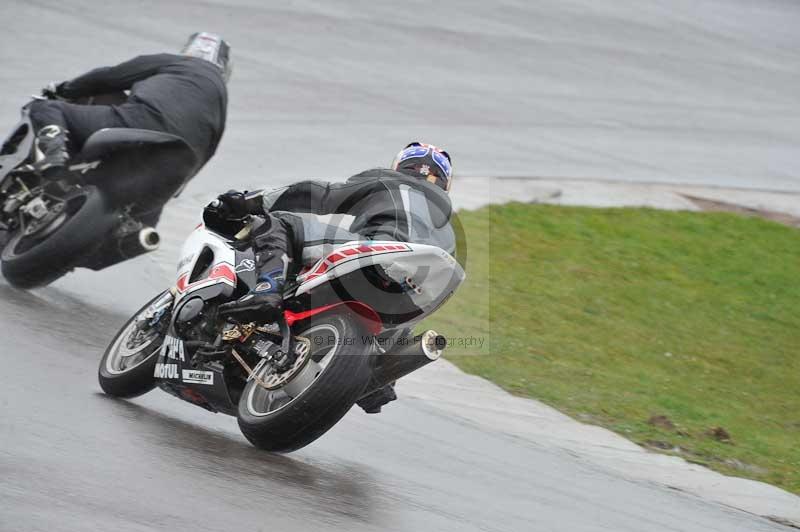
(106, 141)
(138, 165)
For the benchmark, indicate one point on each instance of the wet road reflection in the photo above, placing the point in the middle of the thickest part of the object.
(333, 491)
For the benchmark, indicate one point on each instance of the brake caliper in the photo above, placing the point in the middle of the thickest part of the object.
(36, 208)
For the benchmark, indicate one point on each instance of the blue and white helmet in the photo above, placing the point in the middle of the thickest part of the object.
(425, 161)
(212, 48)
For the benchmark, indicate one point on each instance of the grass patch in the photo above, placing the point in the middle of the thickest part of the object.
(617, 316)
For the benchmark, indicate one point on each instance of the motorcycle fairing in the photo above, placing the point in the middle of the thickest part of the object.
(176, 371)
(204, 386)
(346, 259)
(417, 278)
(207, 260)
(210, 268)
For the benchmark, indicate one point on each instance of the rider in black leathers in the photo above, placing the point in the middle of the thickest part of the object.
(182, 94)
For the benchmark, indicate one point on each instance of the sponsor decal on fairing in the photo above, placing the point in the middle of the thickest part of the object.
(173, 348)
(185, 261)
(166, 371)
(193, 376)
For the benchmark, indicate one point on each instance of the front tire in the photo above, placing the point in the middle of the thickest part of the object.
(38, 259)
(126, 369)
(284, 423)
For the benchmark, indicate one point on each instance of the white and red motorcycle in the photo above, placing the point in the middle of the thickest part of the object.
(344, 334)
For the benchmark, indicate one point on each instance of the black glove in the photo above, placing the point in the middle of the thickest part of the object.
(232, 206)
(52, 91)
(227, 213)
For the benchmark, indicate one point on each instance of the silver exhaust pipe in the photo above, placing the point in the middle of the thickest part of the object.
(149, 239)
(399, 362)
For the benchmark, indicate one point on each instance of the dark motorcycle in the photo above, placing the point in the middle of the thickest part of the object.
(101, 215)
(344, 334)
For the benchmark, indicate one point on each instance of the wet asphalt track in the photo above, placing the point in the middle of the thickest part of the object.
(676, 91)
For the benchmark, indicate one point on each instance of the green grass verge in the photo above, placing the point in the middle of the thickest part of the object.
(618, 315)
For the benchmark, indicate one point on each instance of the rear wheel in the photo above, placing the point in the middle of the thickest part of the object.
(294, 414)
(46, 249)
(126, 369)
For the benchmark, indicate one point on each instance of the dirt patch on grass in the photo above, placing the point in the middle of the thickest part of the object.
(662, 422)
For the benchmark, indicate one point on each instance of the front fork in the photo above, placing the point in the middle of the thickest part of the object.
(157, 310)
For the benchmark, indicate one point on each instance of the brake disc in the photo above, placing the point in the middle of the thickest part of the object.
(302, 350)
(274, 379)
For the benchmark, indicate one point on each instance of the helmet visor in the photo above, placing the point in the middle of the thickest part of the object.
(442, 160)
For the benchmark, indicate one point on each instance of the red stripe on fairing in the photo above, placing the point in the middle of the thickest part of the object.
(222, 270)
(340, 254)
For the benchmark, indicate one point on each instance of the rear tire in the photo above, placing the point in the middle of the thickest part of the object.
(28, 265)
(324, 402)
(137, 379)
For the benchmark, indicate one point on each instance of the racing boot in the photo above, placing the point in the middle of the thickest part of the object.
(254, 307)
(50, 152)
(372, 403)
(264, 303)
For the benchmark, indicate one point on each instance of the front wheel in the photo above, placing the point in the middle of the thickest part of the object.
(46, 249)
(127, 367)
(288, 417)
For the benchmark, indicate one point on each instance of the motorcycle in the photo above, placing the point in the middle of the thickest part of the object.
(98, 216)
(344, 333)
